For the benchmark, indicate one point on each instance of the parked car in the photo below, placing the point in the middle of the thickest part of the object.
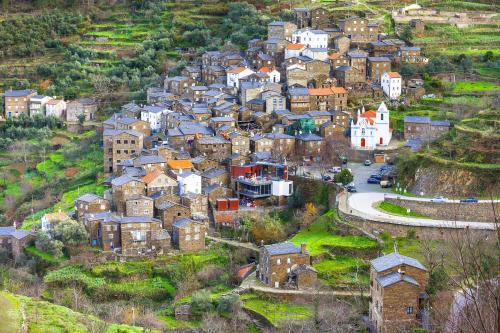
(335, 169)
(376, 177)
(327, 178)
(385, 183)
(470, 199)
(368, 163)
(439, 199)
(351, 188)
(372, 180)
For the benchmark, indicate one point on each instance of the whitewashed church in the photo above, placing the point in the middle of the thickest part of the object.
(371, 129)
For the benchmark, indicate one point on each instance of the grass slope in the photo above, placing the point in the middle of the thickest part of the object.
(45, 317)
(320, 236)
(393, 209)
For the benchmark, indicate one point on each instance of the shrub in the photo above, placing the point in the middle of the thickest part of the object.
(344, 177)
(229, 304)
(201, 302)
(411, 233)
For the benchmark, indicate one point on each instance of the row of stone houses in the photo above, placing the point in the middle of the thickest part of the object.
(28, 102)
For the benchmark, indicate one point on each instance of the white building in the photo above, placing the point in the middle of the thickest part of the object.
(50, 219)
(55, 107)
(371, 129)
(273, 73)
(153, 115)
(294, 50)
(316, 53)
(282, 188)
(391, 84)
(235, 74)
(37, 104)
(311, 38)
(189, 182)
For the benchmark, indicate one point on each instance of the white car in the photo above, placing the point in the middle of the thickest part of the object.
(439, 199)
(335, 170)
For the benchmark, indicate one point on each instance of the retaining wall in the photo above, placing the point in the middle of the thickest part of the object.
(452, 211)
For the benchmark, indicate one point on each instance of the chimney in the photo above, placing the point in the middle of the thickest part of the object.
(303, 248)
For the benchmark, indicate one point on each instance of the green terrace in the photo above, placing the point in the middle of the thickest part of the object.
(338, 255)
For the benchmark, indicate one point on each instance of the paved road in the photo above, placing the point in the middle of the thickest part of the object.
(361, 205)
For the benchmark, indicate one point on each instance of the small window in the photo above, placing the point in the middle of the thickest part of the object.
(409, 310)
(278, 261)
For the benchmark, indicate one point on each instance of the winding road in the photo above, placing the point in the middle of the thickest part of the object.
(361, 205)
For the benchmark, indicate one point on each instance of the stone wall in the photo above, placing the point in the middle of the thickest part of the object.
(451, 211)
(376, 228)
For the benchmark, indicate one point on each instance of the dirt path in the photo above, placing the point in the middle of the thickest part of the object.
(248, 246)
(11, 316)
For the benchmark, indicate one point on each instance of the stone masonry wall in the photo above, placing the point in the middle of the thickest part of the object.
(451, 211)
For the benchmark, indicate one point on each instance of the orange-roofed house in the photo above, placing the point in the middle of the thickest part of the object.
(294, 50)
(272, 72)
(372, 129)
(158, 181)
(179, 165)
(391, 84)
(327, 99)
(235, 74)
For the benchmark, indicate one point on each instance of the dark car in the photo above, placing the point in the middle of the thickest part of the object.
(373, 181)
(376, 176)
(368, 163)
(327, 178)
(470, 199)
(351, 188)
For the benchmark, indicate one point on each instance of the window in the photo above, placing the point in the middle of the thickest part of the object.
(188, 237)
(196, 236)
(132, 142)
(138, 236)
(125, 141)
(110, 236)
(278, 261)
(409, 310)
(288, 260)
(118, 141)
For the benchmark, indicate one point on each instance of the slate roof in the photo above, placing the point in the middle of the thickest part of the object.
(298, 91)
(180, 223)
(417, 119)
(394, 259)
(395, 277)
(376, 59)
(282, 248)
(213, 172)
(119, 181)
(165, 204)
(409, 48)
(343, 68)
(88, 197)
(112, 132)
(309, 137)
(440, 123)
(138, 219)
(279, 136)
(153, 109)
(13, 232)
(150, 159)
(211, 140)
(19, 93)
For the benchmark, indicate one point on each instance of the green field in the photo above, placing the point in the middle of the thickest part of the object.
(474, 86)
(320, 236)
(393, 209)
(276, 311)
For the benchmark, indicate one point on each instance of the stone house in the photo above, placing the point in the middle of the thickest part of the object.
(195, 93)
(16, 102)
(358, 29)
(279, 266)
(202, 163)
(385, 48)
(240, 144)
(397, 290)
(337, 60)
(281, 30)
(157, 181)
(188, 235)
(260, 143)
(85, 106)
(178, 85)
(217, 122)
(308, 145)
(189, 182)
(320, 117)
(326, 99)
(90, 204)
(95, 224)
(14, 240)
(257, 105)
(153, 115)
(119, 145)
(215, 176)
(192, 72)
(302, 17)
(150, 162)
(197, 203)
(139, 205)
(342, 44)
(410, 54)
(169, 211)
(357, 60)
(377, 66)
(214, 147)
(158, 95)
(299, 100)
(133, 124)
(123, 188)
(342, 118)
(320, 17)
(273, 101)
(226, 109)
(424, 129)
(141, 235)
(348, 76)
(283, 144)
